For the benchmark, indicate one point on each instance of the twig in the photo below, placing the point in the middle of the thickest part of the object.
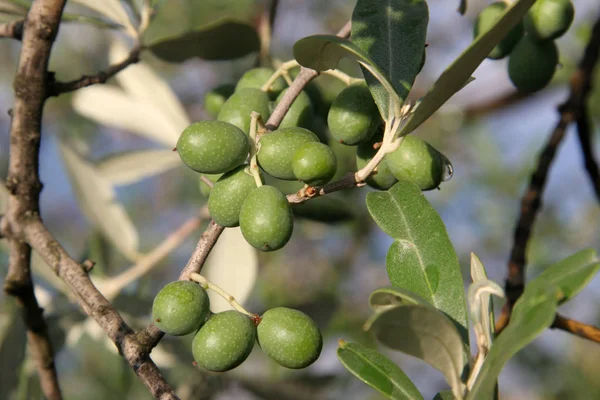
(347, 182)
(531, 201)
(12, 29)
(22, 223)
(302, 79)
(577, 328)
(113, 286)
(57, 88)
(587, 149)
(265, 30)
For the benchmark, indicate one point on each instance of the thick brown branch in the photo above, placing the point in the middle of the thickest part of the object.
(587, 149)
(12, 29)
(96, 306)
(569, 112)
(577, 328)
(57, 88)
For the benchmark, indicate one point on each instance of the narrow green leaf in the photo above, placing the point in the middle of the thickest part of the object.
(323, 52)
(570, 275)
(457, 74)
(392, 33)
(389, 297)
(532, 314)
(377, 371)
(425, 333)
(421, 259)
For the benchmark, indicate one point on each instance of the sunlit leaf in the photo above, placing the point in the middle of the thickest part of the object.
(130, 167)
(98, 202)
(459, 73)
(423, 332)
(377, 371)
(532, 314)
(389, 297)
(392, 33)
(143, 83)
(570, 275)
(113, 107)
(323, 52)
(232, 265)
(422, 258)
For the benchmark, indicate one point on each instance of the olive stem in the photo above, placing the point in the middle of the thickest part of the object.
(254, 171)
(281, 71)
(206, 284)
(342, 76)
(388, 145)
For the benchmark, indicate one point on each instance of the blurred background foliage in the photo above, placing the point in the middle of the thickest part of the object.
(491, 134)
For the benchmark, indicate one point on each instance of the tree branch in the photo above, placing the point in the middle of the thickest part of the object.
(587, 149)
(582, 330)
(12, 30)
(569, 111)
(58, 88)
(22, 224)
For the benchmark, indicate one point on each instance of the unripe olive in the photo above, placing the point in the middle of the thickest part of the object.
(300, 113)
(239, 106)
(417, 161)
(204, 188)
(383, 179)
(255, 78)
(180, 308)
(531, 65)
(228, 194)
(212, 147)
(314, 163)
(549, 19)
(215, 98)
(277, 149)
(266, 219)
(289, 337)
(353, 116)
(487, 19)
(224, 342)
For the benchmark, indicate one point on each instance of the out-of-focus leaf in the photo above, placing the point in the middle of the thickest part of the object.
(483, 317)
(98, 202)
(323, 52)
(570, 275)
(459, 73)
(425, 333)
(113, 107)
(86, 19)
(130, 167)
(13, 343)
(532, 314)
(144, 84)
(209, 29)
(111, 9)
(444, 395)
(13, 8)
(325, 209)
(422, 258)
(389, 297)
(393, 34)
(232, 265)
(3, 197)
(377, 371)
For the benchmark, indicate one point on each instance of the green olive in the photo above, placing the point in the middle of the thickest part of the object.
(239, 106)
(300, 113)
(314, 163)
(532, 64)
(383, 179)
(228, 194)
(180, 308)
(255, 78)
(549, 19)
(487, 19)
(277, 149)
(215, 98)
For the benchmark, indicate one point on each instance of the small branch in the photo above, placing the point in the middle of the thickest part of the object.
(12, 30)
(265, 30)
(58, 88)
(577, 328)
(302, 79)
(569, 111)
(347, 182)
(113, 286)
(587, 149)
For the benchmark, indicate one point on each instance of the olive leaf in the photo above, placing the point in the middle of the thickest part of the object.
(377, 371)
(423, 332)
(459, 73)
(393, 34)
(323, 52)
(389, 297)
(421, 258)
(133, 166)
(113, 10)
(482, 310)
(98, 202)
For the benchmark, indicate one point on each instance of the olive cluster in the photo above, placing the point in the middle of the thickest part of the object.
(224, 340)
(533, 55)
(219, 150)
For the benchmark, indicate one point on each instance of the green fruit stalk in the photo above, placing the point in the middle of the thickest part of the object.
(255, 78)
(383, 179)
